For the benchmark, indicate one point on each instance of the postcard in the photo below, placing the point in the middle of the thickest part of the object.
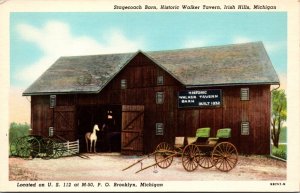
(149, 96)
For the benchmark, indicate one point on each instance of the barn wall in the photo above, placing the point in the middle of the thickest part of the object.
(141, 75)
(41, 115)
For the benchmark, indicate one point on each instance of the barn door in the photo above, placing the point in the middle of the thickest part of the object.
(64, 122)
(132, 129)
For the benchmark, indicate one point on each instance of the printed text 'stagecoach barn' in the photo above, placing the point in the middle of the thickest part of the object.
(148, 97)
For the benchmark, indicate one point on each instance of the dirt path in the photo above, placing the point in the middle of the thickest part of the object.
(109, 167)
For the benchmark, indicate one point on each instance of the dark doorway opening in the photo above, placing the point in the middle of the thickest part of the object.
(109, 137)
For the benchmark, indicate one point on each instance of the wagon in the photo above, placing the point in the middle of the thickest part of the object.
(218, 152)
(32, 146)
(202, 150)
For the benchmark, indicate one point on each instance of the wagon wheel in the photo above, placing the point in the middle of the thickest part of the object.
(28, 147)
(190, 157)
(47, 148)
(225, 156)
(164, 155)
(205, 160)
(56, 149)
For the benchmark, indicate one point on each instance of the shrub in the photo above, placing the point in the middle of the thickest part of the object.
(279, 152)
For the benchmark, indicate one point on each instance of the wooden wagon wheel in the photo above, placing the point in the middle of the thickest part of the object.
(164, 155)
(55, 148)
(225, 156)
(28, 147)
(205, 160)
(190, 157)
(47, 150)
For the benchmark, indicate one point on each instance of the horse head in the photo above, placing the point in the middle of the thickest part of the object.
(96, 127)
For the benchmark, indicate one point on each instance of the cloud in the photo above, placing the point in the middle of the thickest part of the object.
(275, 46)
(55, 39)
(241, 39)
(194, 42)
(271, 47)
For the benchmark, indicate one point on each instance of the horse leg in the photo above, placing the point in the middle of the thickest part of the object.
(91, 144)
(95, 145)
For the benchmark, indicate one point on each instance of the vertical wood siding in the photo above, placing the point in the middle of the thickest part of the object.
(141, 75)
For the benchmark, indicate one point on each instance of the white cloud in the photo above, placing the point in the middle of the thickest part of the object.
(275, 46)
(241, 39)
(194, 42)
(55, 39)
(270, 46)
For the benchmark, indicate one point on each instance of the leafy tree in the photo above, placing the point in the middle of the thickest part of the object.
(17, 130)
(279, 114)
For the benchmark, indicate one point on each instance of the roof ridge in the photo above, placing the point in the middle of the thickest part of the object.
(205, 47)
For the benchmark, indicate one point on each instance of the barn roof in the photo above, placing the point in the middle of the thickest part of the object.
(237, 64)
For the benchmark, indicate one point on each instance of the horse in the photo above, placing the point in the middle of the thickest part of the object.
(92, 137)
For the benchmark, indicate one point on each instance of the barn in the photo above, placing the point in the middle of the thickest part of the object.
(145, 98)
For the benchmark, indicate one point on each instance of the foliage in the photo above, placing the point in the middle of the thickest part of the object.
(17, 130)
(279, 114)
(280, 151)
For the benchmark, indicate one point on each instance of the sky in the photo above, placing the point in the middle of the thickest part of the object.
(38, 39)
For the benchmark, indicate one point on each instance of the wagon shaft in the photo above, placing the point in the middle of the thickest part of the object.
(156, 163)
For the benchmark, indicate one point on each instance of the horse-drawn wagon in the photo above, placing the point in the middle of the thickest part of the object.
(202, 150)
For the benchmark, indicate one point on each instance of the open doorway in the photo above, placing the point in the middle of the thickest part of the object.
(109, 136)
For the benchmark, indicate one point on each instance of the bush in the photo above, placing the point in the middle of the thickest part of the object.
(279, 152)
(17, 130)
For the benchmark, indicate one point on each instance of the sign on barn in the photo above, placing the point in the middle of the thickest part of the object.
(200, 98)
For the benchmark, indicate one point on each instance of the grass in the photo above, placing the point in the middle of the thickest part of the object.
(281, 151)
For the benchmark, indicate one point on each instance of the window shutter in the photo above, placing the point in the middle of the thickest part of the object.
(160, 80)
(159, 129)
(51, 131)
(244, 94)
(52, 101)
(123, 84)
(245, 128)
(159, 97)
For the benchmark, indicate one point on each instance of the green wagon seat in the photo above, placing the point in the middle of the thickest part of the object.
(222, 135)
(202, 134)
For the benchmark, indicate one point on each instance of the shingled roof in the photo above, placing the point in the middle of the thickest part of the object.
(237, 64)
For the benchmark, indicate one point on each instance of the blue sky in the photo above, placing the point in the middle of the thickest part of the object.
(38, 39)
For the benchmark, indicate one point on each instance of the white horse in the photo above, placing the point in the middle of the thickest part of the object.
(92, 137)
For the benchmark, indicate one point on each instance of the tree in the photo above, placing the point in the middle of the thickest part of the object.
(278, 114)
(17, 130)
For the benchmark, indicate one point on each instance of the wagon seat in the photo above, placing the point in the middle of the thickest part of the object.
(202, 135)
(222, 135)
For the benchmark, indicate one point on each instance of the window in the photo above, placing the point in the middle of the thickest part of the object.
(245, 128)
(159, 129)
(159, 97)
(52, 101)
(244, 94)
(160, 80)
(51, 131)
(123, 84)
